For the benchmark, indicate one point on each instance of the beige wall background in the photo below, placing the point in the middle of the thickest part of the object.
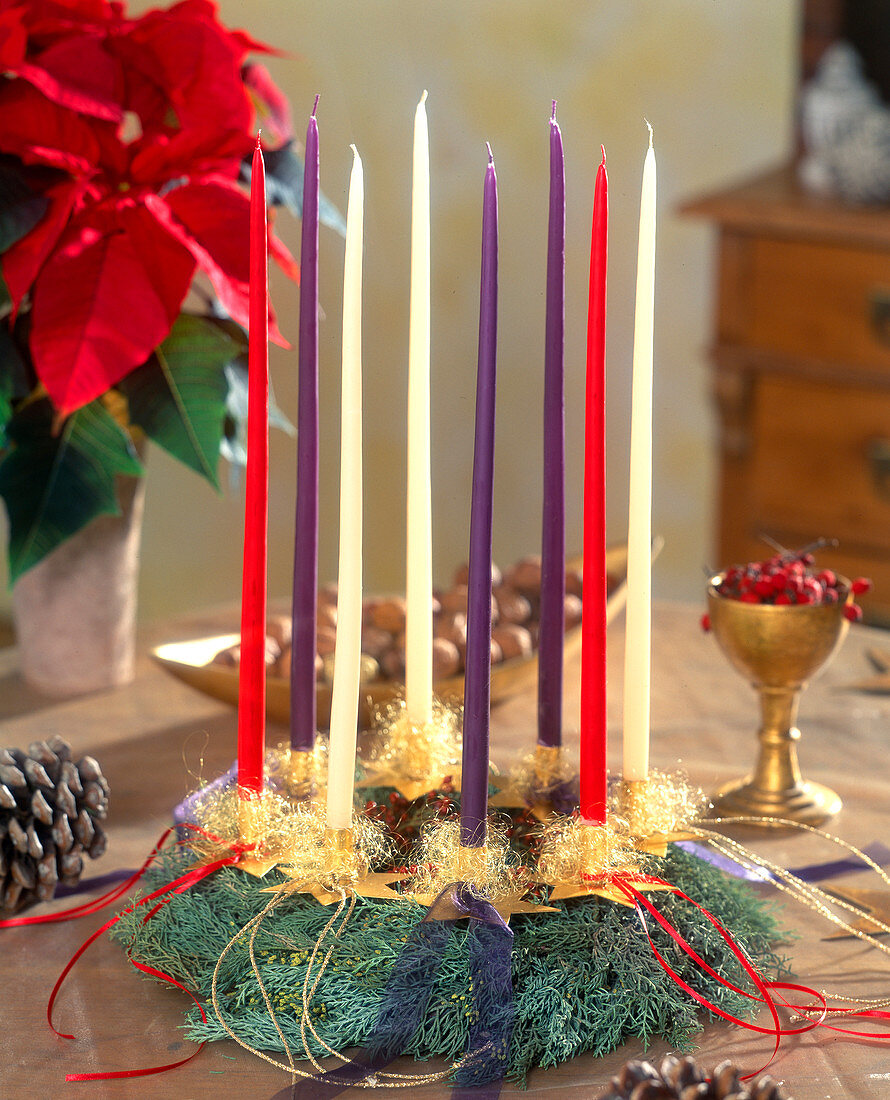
(716, 80)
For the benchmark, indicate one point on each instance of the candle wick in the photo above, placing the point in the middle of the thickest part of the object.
(490, 153)
(603, 151)
(315, 106)
(649, 124)
(553, 115)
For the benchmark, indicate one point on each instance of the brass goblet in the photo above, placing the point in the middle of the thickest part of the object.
(778, 648)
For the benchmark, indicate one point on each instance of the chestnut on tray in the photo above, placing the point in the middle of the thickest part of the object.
(211, 664)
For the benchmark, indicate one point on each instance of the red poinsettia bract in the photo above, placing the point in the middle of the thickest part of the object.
(134, 131)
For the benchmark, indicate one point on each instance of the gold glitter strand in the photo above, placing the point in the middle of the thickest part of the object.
(305, 1019)
(399, 1080)
(259, 979)
(782, 823)
(575, 852)
(441, 860)
(414, 759)
(665, 804)
(214, 996)
(807, 894)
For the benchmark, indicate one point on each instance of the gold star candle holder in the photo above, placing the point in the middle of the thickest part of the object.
(491, 869)
(336, 863)
(414, 759)
(545, 782)
(579, 859)
(659, 809)
(302, 774)
(259, 821)
(294, 837)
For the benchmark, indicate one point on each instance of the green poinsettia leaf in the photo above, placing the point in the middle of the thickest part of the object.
(55, 483)
(13, 379)
(178, 398)
(234, 443)
(328, 214)
(5, 299)
(20, 207)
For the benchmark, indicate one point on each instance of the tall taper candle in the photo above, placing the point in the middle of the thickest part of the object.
(593, 617)
(305, 590)
(252, 669)
(419, 580)
(553, 537)
(347, 650)
(639, 524)
(477, 679)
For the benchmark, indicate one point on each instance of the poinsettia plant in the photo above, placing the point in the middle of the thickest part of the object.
(124, 159)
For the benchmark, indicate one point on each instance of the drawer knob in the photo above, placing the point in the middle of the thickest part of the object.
(878, 451)
(879, 313)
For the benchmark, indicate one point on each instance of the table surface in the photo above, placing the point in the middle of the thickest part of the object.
(154, 737)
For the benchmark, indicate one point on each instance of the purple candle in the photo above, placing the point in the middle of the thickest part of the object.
(477, 685)
(305, 598)
(553, 566)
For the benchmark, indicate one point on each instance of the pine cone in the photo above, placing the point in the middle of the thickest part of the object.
(50, 810)
(682, 1079)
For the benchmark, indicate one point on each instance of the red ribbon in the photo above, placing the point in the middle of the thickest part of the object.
(153, 1069)
(766, 989)
(177, 886)
(165, 893)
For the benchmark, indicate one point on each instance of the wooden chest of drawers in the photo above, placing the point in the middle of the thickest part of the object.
(801, 377)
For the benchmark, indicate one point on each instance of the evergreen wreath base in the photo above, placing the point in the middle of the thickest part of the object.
(585, 979)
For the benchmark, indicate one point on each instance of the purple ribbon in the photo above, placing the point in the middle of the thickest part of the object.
(725, 863)
(95, 883)
(563, 795)
(815, 872)
(811, 872)
(406, 999)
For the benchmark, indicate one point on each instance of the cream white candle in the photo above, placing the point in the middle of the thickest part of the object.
(419, 579)
(639, 526)
(347, 652)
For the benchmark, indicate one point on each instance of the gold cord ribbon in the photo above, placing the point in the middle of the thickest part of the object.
(807, 894)
(347, 902)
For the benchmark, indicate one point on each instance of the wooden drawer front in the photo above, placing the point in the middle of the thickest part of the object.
(821, 461)
(820, 301)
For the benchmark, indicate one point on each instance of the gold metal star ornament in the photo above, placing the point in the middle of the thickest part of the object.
(327, 891)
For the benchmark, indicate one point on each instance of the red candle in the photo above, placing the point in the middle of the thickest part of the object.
(593, 629)
(252, 675)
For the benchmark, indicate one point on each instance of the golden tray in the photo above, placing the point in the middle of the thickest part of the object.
(191, 662)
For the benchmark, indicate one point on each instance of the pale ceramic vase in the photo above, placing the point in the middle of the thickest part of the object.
(75, 611)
